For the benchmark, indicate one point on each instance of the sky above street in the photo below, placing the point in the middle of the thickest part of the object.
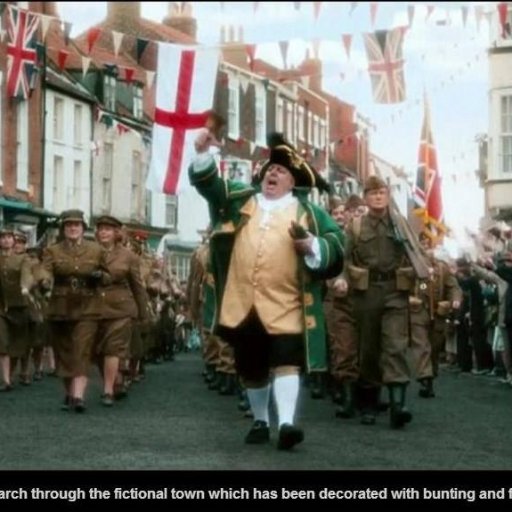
(443, 56)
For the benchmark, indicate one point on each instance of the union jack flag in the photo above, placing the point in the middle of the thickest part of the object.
(21, 53)
(427, 190)
(386, 64)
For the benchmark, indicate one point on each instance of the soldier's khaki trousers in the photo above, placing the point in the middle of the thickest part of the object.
(420, 343)
(342, 337)
(218, 353)
(382, 324)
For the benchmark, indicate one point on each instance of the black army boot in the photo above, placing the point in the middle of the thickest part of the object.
(228, 384)
(426, 388)
(347, 408)
(369, 404)
(318, 385)
(210, 373)
(399, 415)
(337, 392)
(215, 384)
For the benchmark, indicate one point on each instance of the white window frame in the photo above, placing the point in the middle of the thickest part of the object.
(505, 131)
(59, 199)
(58, 118)
(108, 171)
(260, 115)
(77, 182)
(109, 92)
(300, 123)
(138, 102)
(136, 183)
(78, 121)
(280, 115)
(171, 202)
(22, 147)
(310, 128)
(316, 131)
(323, 134)
(290, 132)
(234, 108)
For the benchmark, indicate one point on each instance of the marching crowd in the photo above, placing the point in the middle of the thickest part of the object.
(347, 296)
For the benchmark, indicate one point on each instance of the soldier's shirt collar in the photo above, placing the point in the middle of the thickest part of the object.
(376, 220)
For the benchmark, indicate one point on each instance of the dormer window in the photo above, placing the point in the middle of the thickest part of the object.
(109, 92)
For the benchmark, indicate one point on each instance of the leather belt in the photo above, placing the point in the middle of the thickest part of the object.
(376, 276)
(75, 283)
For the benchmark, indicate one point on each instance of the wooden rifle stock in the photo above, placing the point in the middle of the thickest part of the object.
(410, 241)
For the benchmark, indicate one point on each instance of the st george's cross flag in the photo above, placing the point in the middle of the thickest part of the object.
(386, 64)
(185, 87)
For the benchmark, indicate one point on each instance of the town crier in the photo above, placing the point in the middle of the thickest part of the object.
(270, 250)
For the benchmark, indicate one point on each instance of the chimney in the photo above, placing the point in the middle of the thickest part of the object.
(50, 9)
(180, 18)
(313, 68)
(123, 10)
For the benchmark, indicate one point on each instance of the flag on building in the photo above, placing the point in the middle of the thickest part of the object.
(386, 64)
(184, 94)
(427, 190)
(21, 52)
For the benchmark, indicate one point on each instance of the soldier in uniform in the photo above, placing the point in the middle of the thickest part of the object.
(341, 329)
(430, 304)
(76, 267)
(270, 253)
(380, 277)
(122, 301)
(15, 283)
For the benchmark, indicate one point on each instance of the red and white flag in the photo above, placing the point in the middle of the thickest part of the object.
(427, 191)
(184, 94)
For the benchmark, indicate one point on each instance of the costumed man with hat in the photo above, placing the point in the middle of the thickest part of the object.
(270, 250)
(122, 301)
(341, 326)
(380, 277)
(76, 268)
(430, 304)
(15, 283)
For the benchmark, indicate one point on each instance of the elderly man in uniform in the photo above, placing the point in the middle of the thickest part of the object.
(380, 276)
(341, 328)
(430, 304)
(270, 252)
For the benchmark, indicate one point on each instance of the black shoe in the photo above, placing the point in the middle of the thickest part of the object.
(107, 400)
(79, 405)
(347, 407)
(259, 433)
(228, 386)
(368, 418)
(215, 384)
(289, 436)
(399, 415)
(66, 404)
(427, 388)
(38, 376)
(317, 385)
(6, 387)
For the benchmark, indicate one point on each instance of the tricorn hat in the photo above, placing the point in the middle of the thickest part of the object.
(109, 221)
(283, 153)
(72, 216)
(374, 182)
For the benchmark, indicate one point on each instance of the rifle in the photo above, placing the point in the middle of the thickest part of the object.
(406, 236)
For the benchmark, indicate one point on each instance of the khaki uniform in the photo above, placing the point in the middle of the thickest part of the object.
(74, 307)
(15, 274)
(342, 336)
(380, 281)
(121, 302)
(430, 305)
